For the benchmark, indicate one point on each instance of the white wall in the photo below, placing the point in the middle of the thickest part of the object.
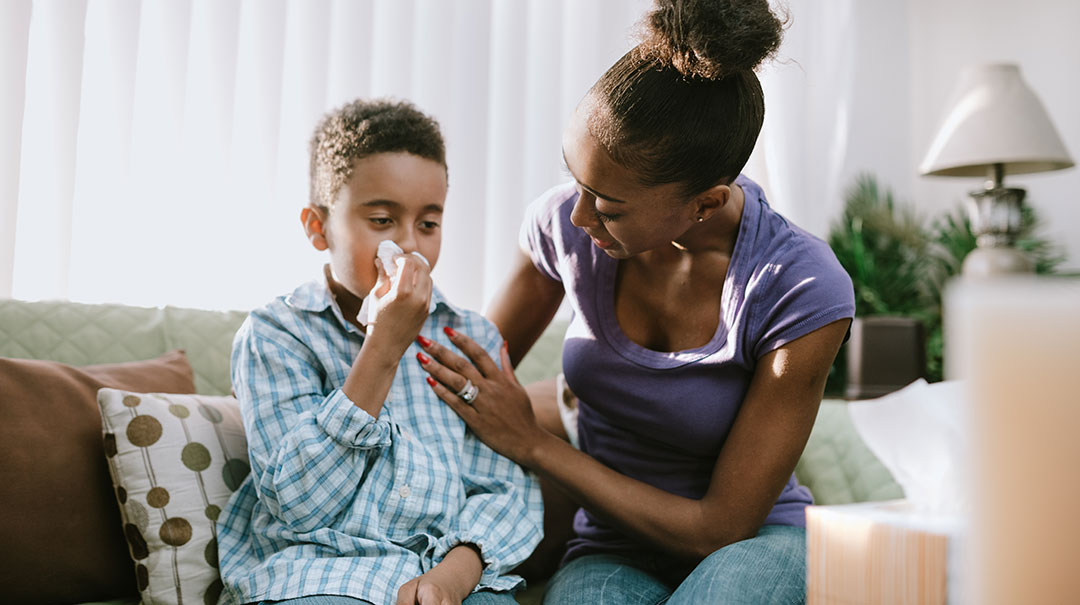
(1043, 37)
(862, 86)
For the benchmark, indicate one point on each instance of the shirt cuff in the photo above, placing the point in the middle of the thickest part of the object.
(350, 425)
(490, 578)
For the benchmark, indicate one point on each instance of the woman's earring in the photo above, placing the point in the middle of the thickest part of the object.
(700, 218)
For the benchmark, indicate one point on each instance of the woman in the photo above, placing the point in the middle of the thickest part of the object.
(704, 327)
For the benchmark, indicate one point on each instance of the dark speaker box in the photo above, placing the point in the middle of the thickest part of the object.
(884, 354)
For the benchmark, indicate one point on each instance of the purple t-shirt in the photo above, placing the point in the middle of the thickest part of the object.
(662, 417)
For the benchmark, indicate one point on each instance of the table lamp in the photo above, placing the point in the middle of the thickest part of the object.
(995, 125)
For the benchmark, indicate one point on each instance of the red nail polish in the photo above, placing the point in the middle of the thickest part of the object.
(424, 359)
(431, 381)
(424, 342)
(449, 331)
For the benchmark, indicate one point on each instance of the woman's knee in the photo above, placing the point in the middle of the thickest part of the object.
(489, 598)
(769, 568)
(604, 580)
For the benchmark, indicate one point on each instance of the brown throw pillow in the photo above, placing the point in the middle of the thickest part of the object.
(61, 532)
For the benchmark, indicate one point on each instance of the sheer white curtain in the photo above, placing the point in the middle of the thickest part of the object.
(837, 104)
(156, 152)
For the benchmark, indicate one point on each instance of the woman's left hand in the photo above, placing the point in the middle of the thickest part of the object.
(500, 415)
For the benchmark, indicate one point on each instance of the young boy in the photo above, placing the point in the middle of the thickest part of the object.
(363, 483)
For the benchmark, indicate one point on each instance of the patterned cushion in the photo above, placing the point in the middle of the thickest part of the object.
(837, 466)
(174, 461)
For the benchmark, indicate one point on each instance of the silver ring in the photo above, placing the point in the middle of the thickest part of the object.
(468, 392)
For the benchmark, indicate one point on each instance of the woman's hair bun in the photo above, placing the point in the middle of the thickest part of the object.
(711, 38)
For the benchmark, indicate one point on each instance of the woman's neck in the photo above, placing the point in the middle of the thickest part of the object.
(712, 236)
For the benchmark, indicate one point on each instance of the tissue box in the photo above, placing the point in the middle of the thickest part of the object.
(877, 552)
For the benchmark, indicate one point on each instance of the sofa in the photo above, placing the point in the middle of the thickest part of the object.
(836, 465)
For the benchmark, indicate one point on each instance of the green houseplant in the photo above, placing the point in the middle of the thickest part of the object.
(899, 261)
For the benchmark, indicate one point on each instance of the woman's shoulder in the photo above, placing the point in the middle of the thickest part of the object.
(552, 204)
(548, 236)
(793, 282)
(774, 242)
(781, 255)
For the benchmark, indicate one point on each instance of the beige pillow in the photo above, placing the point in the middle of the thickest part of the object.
(174, 460)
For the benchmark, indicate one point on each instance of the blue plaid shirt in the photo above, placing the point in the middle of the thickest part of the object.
(341, 503)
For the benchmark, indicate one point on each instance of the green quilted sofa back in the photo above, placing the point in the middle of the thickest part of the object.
(836, 466)
(81, 334)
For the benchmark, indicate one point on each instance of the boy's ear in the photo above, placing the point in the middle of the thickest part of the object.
(313, 219)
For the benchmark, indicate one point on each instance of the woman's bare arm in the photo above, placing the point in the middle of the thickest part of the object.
(757, 459)
(524, 306)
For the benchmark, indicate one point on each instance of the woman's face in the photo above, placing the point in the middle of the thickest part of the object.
(622, 216)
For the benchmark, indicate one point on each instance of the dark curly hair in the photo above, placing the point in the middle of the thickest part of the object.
(684, 106)
(363, 128)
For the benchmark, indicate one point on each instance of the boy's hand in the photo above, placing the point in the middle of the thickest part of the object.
(448, 583)
(403, 306)
(426, 590)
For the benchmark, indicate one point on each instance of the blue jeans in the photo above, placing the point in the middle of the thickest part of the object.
(769, 568)
(476, 598)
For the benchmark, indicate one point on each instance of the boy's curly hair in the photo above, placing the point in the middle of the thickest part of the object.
(363, 128)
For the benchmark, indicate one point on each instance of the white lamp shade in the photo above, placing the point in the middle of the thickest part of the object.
(995, 118)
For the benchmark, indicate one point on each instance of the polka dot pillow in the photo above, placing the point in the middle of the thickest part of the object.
(174, 460)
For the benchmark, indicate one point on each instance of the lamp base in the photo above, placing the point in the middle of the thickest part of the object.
(986, 262)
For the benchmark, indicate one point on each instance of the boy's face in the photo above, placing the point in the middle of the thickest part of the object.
(396, 196)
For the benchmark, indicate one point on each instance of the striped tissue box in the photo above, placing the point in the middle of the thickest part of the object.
(877, 552)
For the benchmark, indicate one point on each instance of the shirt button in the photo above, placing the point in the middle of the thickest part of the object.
(404, 491)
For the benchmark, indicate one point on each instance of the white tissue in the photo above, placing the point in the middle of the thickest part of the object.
(921, 434)
(391, 256)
